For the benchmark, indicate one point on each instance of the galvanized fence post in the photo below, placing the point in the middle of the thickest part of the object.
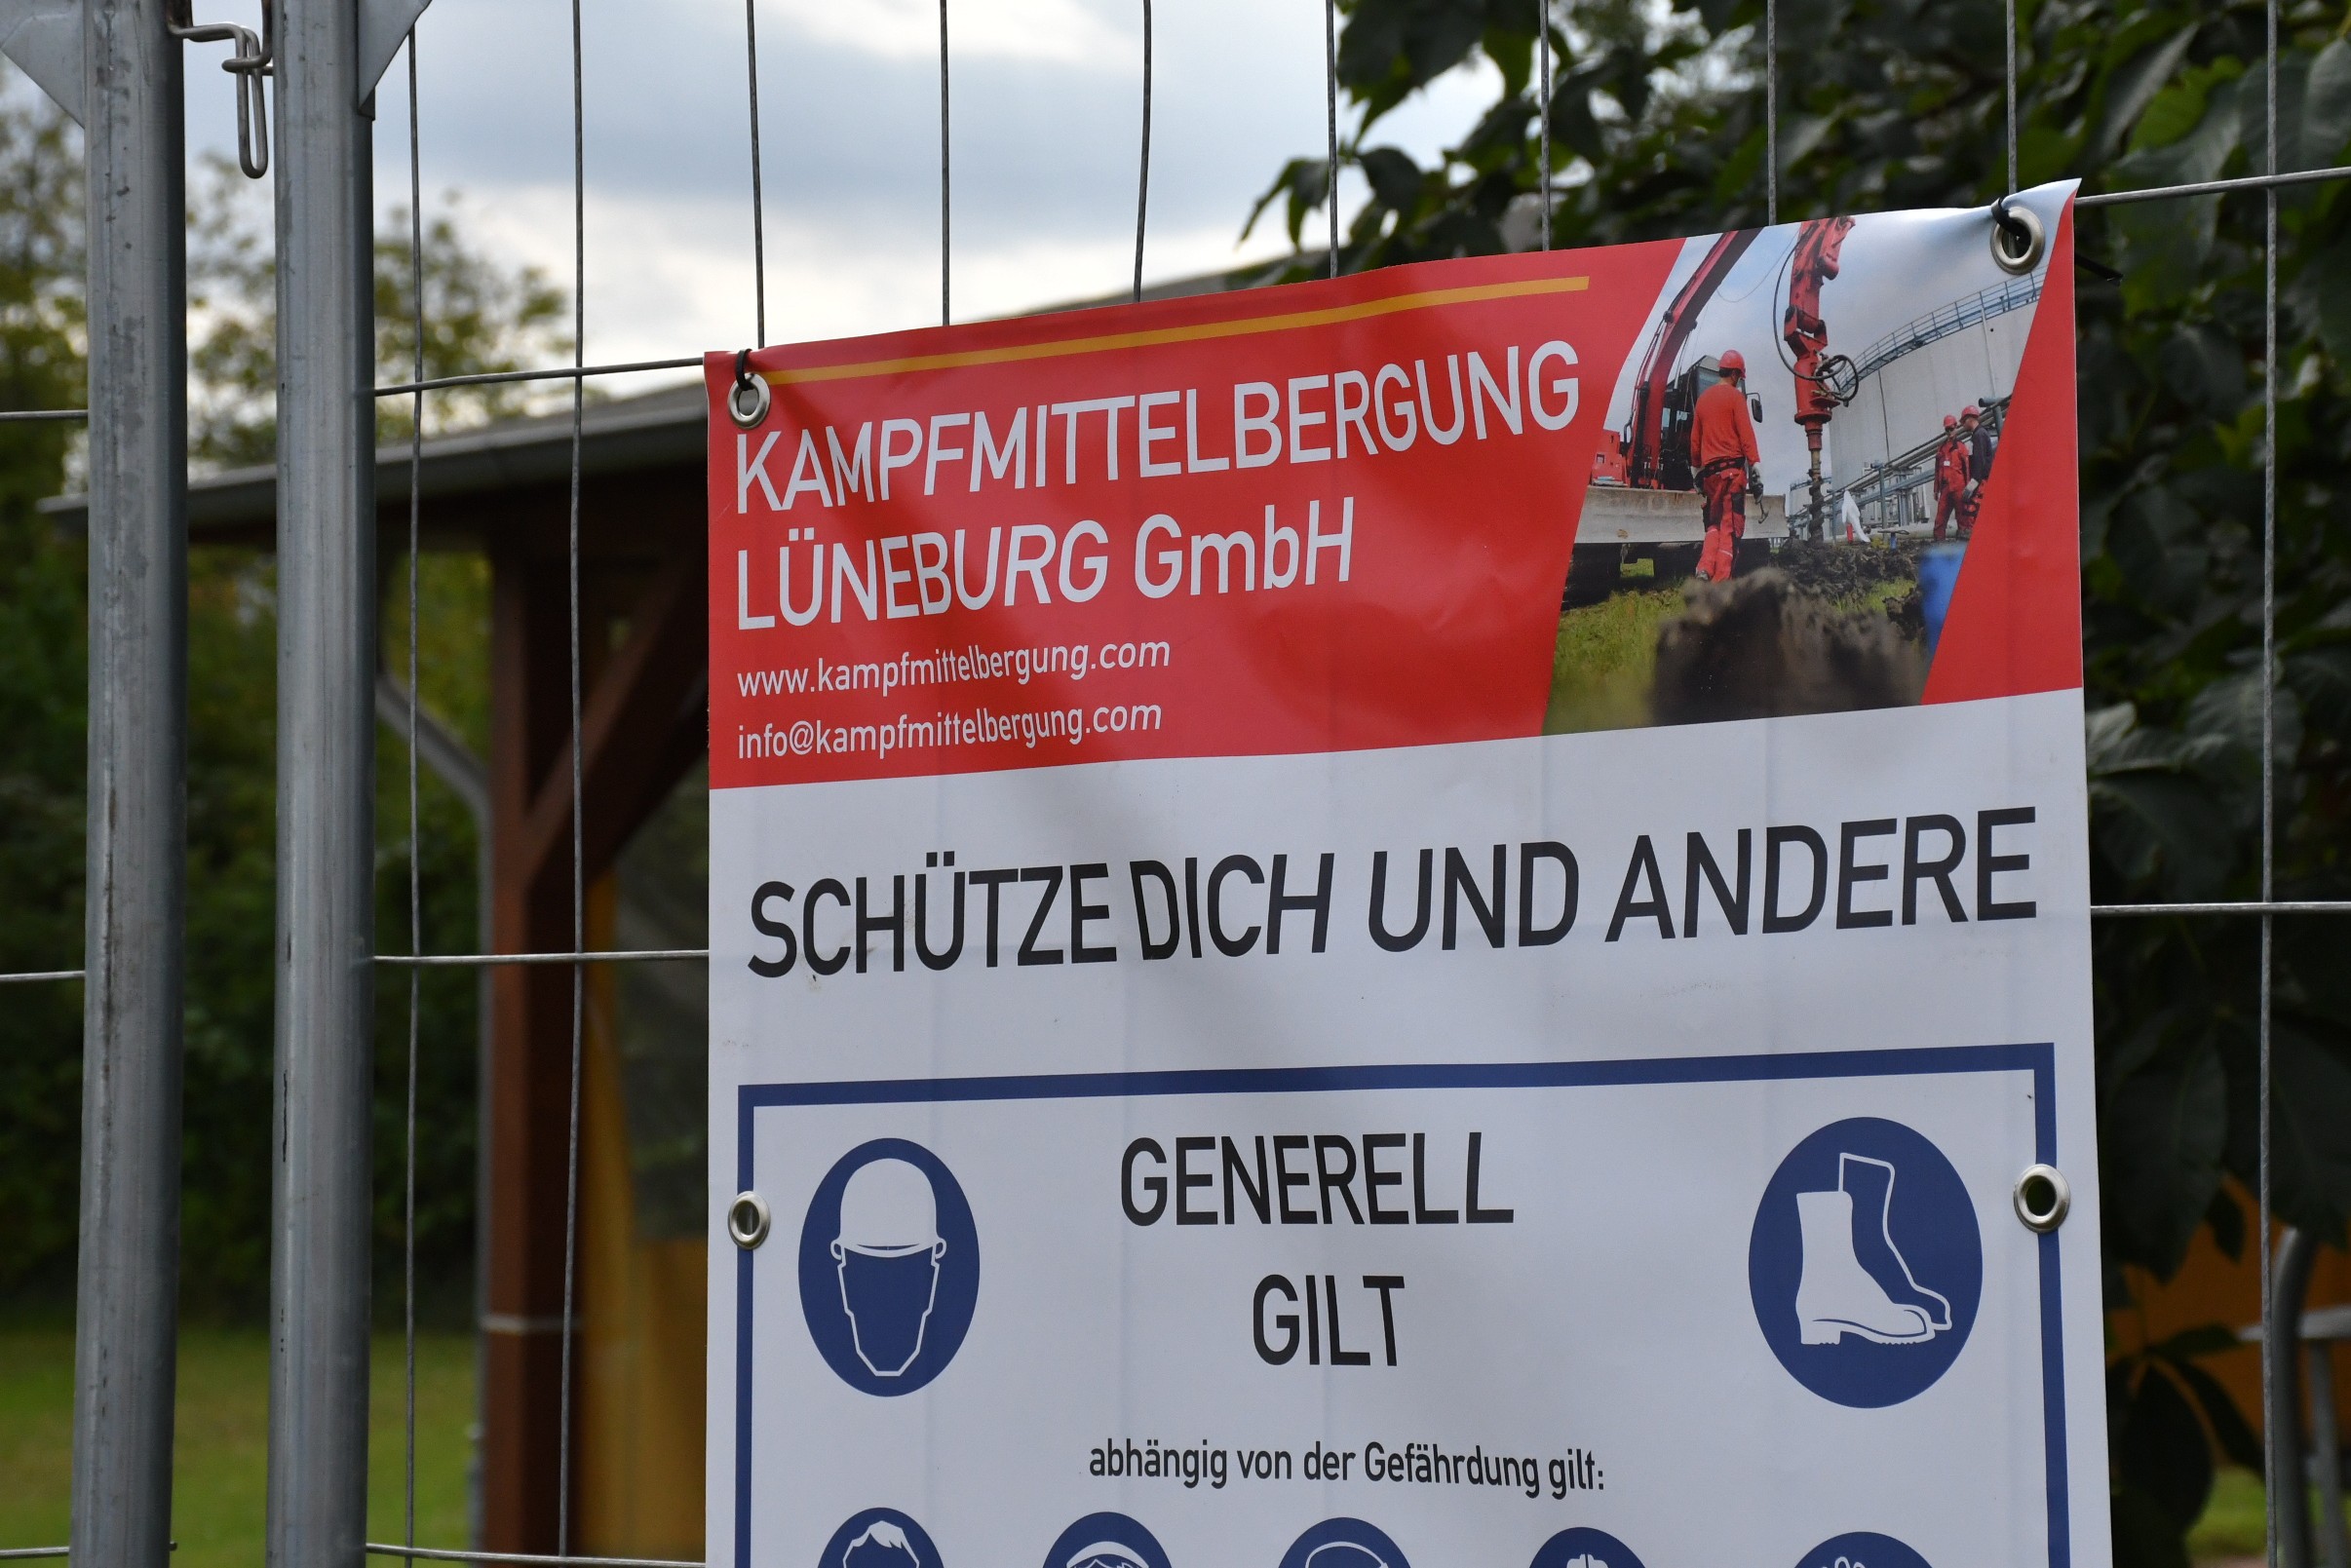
(322, 1229)
(128, 1287)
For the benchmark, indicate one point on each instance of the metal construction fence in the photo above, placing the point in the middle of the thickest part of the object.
(118, 63)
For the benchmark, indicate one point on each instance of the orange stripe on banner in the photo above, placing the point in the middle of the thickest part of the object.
(1203, 331)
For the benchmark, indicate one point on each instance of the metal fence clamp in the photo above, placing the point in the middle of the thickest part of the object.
(248, 65)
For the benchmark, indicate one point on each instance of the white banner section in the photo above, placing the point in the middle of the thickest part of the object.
(1532, 1152)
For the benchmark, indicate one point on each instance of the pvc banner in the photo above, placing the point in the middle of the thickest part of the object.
(1433, 920)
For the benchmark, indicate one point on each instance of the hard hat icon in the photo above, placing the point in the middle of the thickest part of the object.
(1105, 1554)
(889, 1269)
(887, 1252)
(1344, 1543)
(1951, 421)
(1344, 1554)
(1733, 362)
(888, 1210)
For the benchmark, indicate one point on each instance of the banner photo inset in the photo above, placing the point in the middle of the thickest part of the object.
(1424, 919)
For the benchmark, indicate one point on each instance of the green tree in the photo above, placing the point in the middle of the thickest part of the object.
(43, 674)
(481, 316)
(1657, 128)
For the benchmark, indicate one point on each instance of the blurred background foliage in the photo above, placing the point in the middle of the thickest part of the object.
(1657, 128)
(482, 316)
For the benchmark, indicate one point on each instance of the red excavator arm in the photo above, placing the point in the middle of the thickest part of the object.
(1644, 437)
(1813, 264)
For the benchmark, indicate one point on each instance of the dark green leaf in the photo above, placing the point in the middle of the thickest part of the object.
(2204, 1339)
(2161, 1451)
(2130, 89)
(2231, 1433)
(2310, 1155)
(2228, 1221)
(2161, 1140)
(2321, 683)
(2145, 1533)
(2327, 105)
(1394, 178)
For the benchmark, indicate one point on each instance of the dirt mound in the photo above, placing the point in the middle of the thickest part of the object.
(1763, 647)
(1842, 571)
(1907, 616)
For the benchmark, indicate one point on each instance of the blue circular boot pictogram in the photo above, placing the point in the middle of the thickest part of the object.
(1866, 1264)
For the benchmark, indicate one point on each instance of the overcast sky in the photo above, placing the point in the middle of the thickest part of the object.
(1046, 117)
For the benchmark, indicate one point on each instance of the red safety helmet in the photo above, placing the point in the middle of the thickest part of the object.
(1951, 421)
(1733, 362)
(1971, 411)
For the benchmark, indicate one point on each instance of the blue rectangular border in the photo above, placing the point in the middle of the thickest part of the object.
(2037, 1059)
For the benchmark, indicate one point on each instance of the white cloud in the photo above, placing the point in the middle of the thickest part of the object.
(1087, 33)
(1046, 120)
(693, 290)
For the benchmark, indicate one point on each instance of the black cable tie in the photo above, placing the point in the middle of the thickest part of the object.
(2009, 223)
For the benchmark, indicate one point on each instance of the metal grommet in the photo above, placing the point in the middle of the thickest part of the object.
(2042, 1198)
(748, 401)
(2018, 239)
(747, 1220)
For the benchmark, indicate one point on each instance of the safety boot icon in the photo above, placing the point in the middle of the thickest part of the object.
(1854, 1279)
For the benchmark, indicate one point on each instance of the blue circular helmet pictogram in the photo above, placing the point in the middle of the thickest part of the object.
(889, 1267)
(1343, 1543)
(1862, 1548)
(1106, 1541)
(879, 1537)
(1582, 1547)
(1866, 1265)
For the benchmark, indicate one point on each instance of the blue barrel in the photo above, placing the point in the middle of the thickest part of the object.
(1938, 576)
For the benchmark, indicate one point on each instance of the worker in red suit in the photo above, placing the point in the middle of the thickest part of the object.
(1979, 438)
(1723, 445)
(1950, 474)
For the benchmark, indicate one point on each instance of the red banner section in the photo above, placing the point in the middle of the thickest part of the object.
(1327, 516)
(2016, 619)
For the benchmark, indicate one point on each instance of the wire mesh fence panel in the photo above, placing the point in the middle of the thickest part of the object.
(578, 957)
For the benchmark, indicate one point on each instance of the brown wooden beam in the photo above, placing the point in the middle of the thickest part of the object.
(530, 1076)
(665, 657)
(644, 718)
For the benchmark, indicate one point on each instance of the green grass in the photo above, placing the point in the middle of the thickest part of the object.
(1876, 597)
(2232, 1525)
(1604, 659)
(220, 1467)
(221, 1471)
